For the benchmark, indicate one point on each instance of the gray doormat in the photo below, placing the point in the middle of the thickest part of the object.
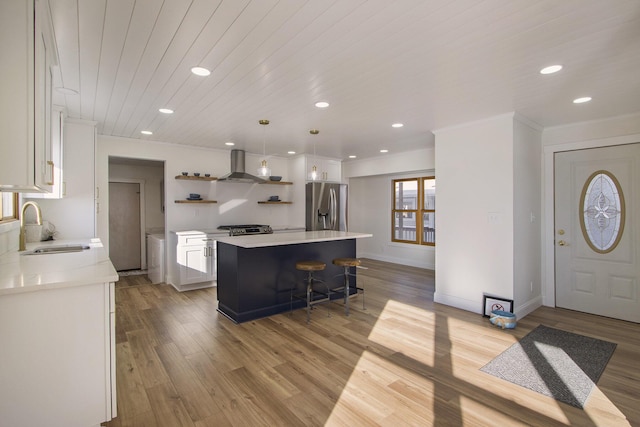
(558, 364)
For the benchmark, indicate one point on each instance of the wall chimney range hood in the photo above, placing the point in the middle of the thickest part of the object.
(237, 170)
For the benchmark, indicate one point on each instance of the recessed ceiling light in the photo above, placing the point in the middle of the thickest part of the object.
(322, 104)
(146, 132)
(352, 156)
(291, 152)
(229, 143)
(551, 69)
(397, 125)
(582, 100)
(200, 71)
(165, 110)
(66, 91)
(384, 151)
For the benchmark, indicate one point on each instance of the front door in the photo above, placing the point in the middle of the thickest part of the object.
(597, 223)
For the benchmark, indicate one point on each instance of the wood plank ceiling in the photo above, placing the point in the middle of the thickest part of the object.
(427, 64)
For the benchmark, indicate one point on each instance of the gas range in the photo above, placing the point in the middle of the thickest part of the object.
(246, 229)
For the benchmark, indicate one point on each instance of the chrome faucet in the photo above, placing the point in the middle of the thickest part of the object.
(23, 236)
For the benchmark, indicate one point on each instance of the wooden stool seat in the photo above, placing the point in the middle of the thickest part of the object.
(347, 262)
(310, 265)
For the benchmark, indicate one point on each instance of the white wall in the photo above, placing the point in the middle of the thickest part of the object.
(527, 160)
(370, 204)
(475, 204)
(400, 163)
(370, 207)
(237, 202)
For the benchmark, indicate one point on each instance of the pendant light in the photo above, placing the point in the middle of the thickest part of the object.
(314, 170)
(263, 170)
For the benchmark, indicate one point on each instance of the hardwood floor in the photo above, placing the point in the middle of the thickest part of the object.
(404, 360)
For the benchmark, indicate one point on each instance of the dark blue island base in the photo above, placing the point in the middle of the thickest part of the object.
(257, 282)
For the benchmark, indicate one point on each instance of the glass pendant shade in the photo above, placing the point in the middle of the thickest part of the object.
(314, 170)
(264, 170)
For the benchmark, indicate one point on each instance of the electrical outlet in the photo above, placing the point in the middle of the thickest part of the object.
(494, 217)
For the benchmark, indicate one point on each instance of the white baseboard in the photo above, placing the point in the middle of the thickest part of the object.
(457, 302)
(396, 260)
(528, 307)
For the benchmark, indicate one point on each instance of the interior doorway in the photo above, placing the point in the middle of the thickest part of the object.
(131, 219)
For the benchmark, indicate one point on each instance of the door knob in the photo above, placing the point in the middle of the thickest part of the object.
(562, 243)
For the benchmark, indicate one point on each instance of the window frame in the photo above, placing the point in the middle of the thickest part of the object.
(14, 215)
(417, 213)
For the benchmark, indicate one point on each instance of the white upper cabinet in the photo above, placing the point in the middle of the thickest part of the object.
(29, 56)
(329, 170)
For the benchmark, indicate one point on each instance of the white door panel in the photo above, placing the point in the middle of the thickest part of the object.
(601, 277)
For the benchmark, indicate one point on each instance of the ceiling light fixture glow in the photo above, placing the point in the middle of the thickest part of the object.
(229, 143)
(322, 104)
(146, 132)
(165, 110)
(291, 152)
(384, 151)
(551, 69)
(352, 156)
(200, 71)
(582, 100)
(397, 125)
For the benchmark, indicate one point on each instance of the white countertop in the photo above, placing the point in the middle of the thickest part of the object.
(275, 228)
(293, 238)
(27, 273)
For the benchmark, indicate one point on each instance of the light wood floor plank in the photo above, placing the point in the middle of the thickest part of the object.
(403, 360)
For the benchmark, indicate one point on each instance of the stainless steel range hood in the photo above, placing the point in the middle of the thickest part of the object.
(237, 170)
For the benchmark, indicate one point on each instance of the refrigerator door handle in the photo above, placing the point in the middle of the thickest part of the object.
(333, 208)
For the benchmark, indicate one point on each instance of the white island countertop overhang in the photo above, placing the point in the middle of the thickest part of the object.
(293, 238)
(21, 272)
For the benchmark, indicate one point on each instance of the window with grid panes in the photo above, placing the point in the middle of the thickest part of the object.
(414, 210)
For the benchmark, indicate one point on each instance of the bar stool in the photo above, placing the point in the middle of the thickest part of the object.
(345, 288)
(312, 296)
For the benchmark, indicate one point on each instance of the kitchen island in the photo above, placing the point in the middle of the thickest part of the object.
(257, 273)
(57, 335)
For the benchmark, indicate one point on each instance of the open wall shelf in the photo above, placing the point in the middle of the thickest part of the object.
(197, 178)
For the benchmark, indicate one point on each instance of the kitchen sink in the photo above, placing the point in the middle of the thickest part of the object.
(59, 249)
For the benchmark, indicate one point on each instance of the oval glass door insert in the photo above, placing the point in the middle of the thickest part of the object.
(603, 211)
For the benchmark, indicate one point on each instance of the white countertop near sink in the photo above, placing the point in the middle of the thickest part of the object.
(27, 273)
(292, 238)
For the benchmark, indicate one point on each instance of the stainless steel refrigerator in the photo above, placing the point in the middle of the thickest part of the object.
(326, 206)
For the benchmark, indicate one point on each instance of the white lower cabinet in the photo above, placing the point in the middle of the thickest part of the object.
(57, 354)
(195, 258)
